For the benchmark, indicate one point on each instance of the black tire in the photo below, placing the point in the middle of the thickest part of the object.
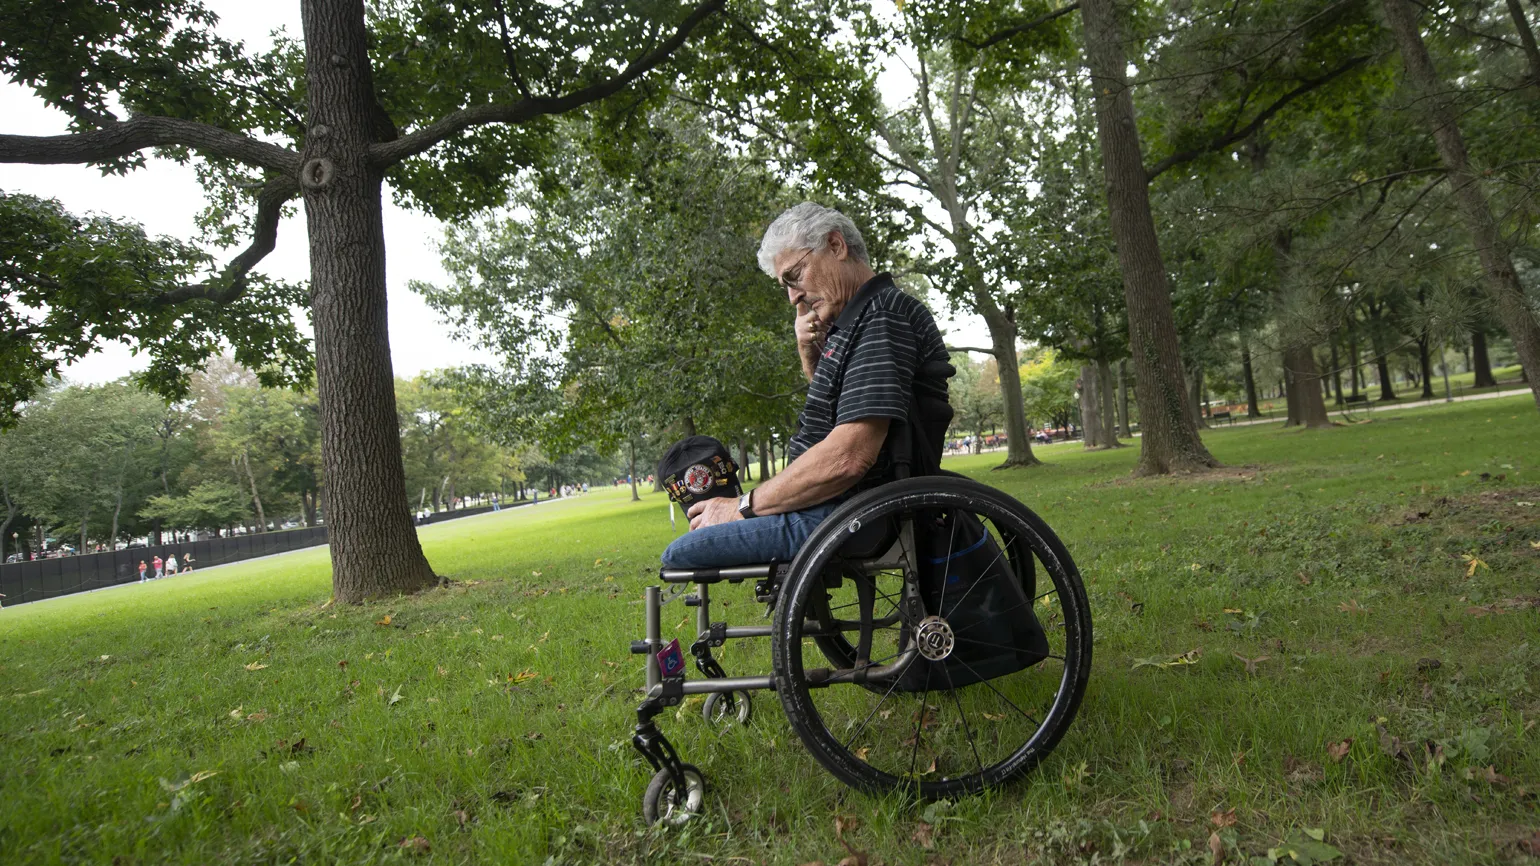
(718, 711)
(671, 803)
(847, 730)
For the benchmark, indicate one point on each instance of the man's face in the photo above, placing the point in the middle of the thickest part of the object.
(812, 277)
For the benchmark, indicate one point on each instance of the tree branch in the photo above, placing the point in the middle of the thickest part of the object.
(1018, 29)
(231, 282)
(121, 139)
(508, 56)
(386, 154)
(1256, 123)
(990, 352)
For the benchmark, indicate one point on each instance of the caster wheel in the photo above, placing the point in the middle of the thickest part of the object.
(723, 707)
(671, 803)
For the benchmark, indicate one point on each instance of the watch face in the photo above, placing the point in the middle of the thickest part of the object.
(697, 479)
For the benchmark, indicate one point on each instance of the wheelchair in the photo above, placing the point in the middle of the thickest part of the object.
(865, 660)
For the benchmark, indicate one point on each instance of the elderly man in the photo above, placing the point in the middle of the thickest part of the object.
(861, 371)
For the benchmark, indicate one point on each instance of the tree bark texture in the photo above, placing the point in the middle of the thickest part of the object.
(1123, 419)
(1090, 408)
(1301, 379)
(1501, 280)
(1002, 339)
(1382, 368)
(1481, 360)
(1527, 39)
(1250, 380)
(764, 461)
(1169, 440)
(374, 548)
(1426, 362)
(1196, 398)
(1109, 413)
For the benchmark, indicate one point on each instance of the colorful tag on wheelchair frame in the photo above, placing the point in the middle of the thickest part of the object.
(671, 659)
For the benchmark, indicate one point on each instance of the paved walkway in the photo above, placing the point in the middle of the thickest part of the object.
(1369, 409)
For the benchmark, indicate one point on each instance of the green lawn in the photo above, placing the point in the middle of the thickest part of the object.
(232, 716)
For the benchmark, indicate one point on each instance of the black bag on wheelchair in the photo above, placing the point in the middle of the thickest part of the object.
(965, 579)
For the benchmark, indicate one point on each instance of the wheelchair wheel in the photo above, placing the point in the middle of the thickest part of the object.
(670, 802)
(920, 728)
(722, 708)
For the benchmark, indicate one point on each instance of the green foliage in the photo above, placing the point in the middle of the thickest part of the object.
(621, 307)
(70, 282)
(211, 505)
(1048, 387)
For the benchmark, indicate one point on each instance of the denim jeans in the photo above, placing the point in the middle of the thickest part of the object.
(746, 542)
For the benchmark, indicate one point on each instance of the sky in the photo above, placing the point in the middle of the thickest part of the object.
(165, 198)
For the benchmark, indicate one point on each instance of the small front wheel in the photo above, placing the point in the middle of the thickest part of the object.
(669, 801)
(723, 707)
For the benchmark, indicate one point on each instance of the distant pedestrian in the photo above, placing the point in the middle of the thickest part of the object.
(160, 567)
(187, 562)
(143, 569)
(171, 564)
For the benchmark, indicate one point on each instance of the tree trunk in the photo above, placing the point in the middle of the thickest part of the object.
(1252, 411)
(1481, 361)
(1336, 372)
(1307, 404)
(635, 497)
(1002, 338)
(688, 423)
(1502, 281)
(1090, 408)
(85, 518)
(1426, 363)
(743, 460)
(1353, 363)
(256, 500)
(1123, 416)
(1195, 401)
(10, 517)
(1169, 440)
(1382, 368)
(374, 548)
(764, 461)
(1109, 412)
(1527, 39)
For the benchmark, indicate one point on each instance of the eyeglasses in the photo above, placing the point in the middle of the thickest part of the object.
(790, 280)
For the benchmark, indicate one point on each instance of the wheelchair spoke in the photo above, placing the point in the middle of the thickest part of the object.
(867, 720)
(951, 544)
(963, 715)
(992, 688)
(1012, 608)
(984, 570)
(978, 642)
(919, 728)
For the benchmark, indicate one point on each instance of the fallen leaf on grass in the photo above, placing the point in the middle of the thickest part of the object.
(1223, 819)
(1187, 658)
(396, 696)
(1251, 664)
(385, 620)
(1352, 606)
(1338, 751)
(1216, 847)
(1535, 545)
(1473, 563)
(236, 714)
(257, 717)
(994, 717)
(416, 845)
(924, 835)
(524, 676)
(255, 666)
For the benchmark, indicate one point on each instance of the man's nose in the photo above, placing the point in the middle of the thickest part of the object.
(794, 294)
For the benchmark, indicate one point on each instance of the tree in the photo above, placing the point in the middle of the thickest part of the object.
(208, 506)
(1048, 388)
(469, 90)
(977, 404)
(1436, 103)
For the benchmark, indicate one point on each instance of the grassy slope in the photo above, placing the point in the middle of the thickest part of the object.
(509, 740)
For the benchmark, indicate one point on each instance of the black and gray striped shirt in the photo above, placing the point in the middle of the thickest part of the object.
(867, 368)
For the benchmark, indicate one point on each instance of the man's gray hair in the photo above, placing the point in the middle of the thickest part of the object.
(807, 227)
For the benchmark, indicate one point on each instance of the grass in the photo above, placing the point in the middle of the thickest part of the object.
(232, 716)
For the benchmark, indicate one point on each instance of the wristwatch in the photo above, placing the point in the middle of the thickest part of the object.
(746, 505)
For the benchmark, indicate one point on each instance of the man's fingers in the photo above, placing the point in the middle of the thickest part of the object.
(697, 508)
(802, 308)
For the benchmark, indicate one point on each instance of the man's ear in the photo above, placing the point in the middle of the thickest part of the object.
(837, 246)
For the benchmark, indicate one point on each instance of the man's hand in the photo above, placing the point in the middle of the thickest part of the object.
(810, 329)
(710, 512)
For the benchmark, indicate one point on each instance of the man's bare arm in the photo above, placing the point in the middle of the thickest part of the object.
(825, 470)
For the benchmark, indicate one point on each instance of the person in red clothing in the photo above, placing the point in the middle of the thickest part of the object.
(142, 569)
(159, 568)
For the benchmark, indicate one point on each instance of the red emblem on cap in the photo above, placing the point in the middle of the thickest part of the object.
(697, 479)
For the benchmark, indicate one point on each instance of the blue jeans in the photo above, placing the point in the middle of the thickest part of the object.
(746, 542)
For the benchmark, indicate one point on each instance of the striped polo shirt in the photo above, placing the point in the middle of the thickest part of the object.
(867, 368)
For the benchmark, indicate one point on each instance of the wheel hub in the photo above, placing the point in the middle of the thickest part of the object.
(934, 638)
